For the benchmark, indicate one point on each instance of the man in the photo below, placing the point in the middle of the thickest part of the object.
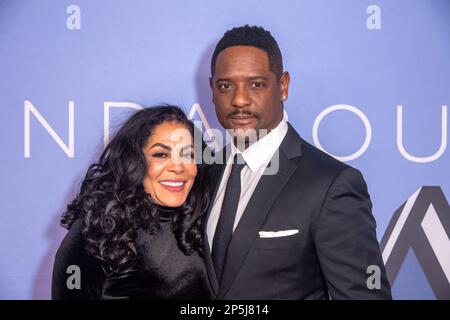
(305, 232)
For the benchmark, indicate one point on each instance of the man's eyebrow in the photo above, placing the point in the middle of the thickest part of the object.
(251, 78)
(223, 79)
(162, 145)
(258, 78)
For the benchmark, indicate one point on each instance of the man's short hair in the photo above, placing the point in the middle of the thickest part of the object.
(251, 36)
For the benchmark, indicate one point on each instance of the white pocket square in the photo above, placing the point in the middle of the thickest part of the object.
(277, 234)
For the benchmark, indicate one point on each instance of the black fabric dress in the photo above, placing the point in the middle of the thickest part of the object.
(163, 270)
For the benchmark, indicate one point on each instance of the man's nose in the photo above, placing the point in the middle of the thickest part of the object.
(241, 98)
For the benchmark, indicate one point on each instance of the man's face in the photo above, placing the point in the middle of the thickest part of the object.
(246, 93)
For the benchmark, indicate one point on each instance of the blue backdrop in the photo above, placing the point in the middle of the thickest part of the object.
(366, 75)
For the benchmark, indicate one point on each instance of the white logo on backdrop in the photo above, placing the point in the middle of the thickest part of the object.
(422, 224)
(214, 134)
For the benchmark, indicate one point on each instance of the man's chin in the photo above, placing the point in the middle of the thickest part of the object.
(243, 135)
(242, 130)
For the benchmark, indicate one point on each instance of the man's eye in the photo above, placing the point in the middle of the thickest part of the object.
(257, 84)
(224, 86)
(160, 155)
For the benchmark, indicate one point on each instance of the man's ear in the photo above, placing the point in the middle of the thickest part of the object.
(211, 82)
(284, 85)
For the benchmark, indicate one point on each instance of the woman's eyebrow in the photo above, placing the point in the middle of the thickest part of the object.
(162, 145)
(187, 147)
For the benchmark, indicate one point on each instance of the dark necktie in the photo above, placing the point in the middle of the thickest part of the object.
(224, 228)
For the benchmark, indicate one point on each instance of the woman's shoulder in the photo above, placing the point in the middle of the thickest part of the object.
(73, 242)
(73, 262)
(72, 250)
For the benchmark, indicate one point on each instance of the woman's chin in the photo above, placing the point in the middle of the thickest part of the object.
(174, 201)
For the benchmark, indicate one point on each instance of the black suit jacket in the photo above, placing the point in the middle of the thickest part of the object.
(327, 201)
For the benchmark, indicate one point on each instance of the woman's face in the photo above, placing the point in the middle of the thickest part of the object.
(171, 168)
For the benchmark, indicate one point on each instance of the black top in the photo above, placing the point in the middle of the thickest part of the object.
(163, 270)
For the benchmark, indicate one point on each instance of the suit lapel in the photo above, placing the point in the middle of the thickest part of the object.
(267, 190)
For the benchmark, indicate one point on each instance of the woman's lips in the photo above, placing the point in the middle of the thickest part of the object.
(173, 185)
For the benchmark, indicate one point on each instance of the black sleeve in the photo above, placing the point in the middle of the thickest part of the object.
(76, 275)
(346, 241)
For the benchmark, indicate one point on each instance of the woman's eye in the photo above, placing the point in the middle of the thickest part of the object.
(189, 155)
(160, 155)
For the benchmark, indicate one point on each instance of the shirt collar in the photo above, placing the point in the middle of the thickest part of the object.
(260, 152)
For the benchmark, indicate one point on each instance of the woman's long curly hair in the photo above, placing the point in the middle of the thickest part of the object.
(113, 204)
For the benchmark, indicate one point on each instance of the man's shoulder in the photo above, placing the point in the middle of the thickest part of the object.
(312, 157)
(315, 165)
(321, 159)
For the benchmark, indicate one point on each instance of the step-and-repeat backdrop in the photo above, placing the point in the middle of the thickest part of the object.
(370, 86)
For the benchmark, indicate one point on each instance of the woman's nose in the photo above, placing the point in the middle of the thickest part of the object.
(176, 166)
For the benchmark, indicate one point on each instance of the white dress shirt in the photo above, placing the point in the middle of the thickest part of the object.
(257, 156)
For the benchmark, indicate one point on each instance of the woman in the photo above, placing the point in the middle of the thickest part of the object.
(135, 226)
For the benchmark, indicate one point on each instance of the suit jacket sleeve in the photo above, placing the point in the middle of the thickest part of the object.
(346, 241)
